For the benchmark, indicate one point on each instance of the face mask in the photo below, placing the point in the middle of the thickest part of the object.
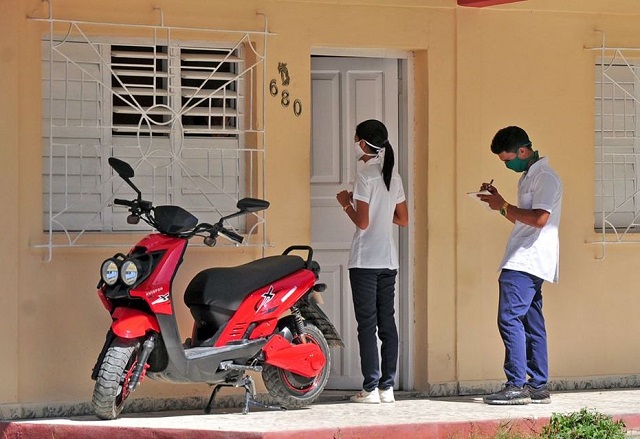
(359, 152)
(520, 165)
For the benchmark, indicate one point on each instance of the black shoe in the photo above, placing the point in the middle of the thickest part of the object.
(540, 395)
(509, 395)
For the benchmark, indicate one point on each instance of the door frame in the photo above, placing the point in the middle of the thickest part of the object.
(406, 244)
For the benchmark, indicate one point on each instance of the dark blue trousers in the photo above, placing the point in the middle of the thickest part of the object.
(373, 293)
(522, 329)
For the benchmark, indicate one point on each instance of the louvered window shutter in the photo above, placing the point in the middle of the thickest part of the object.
(140, 84)
(176, 111)
(71, 157)
(209, 91)
(617, 95)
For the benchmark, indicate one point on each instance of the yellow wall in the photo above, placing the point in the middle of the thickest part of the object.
(9, 269)
(535, 70)
(476, 70)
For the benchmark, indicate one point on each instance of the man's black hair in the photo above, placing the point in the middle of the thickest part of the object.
(509, 139)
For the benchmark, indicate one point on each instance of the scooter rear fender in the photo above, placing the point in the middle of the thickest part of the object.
(304, 359)
(132, 323)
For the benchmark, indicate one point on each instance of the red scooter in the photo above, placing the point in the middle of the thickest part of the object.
(258, 317)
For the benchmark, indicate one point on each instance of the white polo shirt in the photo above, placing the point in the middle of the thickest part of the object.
(374, 246)
(537, 250)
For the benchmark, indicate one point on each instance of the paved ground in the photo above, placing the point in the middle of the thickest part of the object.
(333, 416)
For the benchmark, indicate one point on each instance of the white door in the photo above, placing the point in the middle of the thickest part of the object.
(345, 91)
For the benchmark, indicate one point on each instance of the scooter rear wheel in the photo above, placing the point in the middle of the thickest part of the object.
(295, 391)
(111, 389)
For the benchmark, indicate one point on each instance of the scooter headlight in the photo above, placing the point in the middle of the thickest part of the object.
(109, 272)
(129, 272)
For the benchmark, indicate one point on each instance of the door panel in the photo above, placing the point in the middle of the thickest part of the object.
(345, 91)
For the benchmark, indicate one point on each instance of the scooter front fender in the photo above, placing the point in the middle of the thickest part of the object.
(132, 323)
(304, 359)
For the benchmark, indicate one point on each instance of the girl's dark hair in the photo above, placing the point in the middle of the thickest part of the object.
(374, 132)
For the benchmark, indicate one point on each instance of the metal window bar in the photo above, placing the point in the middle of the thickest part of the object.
(617, 103)
(96, 81)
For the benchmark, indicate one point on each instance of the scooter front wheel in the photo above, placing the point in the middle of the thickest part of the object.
(112, 384)
(295, 391)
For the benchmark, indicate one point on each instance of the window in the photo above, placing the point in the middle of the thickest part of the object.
(617, 144)
(173, 111)
(206, 104)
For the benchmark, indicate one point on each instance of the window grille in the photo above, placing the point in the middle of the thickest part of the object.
(179, 111)
(617, 146)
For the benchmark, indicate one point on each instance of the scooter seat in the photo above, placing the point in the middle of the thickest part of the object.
(225, 288)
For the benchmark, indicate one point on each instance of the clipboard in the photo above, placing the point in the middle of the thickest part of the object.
(474, 195)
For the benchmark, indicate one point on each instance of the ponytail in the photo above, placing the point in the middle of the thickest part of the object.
(389, 162)
(375, 134)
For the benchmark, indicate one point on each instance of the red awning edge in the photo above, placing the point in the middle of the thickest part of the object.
(483, 3)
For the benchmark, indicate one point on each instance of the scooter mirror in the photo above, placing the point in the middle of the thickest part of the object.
(123, 169)
(252, 204)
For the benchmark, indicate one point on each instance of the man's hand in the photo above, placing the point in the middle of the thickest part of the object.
(487, 186)
(495, 200)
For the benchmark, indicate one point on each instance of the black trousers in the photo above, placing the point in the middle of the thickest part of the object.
(373, 293)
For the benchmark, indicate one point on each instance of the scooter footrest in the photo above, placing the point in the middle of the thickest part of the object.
(230, 366)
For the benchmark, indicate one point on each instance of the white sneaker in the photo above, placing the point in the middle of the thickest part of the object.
(366, 397)
(387, 395)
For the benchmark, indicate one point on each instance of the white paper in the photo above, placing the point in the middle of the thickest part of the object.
(474, 195)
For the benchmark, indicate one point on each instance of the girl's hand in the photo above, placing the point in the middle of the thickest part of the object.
(344, 198)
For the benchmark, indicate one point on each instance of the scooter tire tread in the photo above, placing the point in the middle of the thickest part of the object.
(108, 382)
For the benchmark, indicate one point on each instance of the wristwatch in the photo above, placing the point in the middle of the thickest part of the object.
(504, 209)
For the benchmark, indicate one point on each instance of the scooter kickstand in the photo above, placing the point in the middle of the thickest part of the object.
(209, 406)
(249, 397)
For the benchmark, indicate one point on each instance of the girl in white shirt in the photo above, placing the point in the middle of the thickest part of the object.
(375, 205)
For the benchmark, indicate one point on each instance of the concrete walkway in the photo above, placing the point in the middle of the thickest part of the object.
(412, 416)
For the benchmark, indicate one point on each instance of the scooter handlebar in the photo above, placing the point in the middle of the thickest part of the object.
(232, 235)
(122, 202)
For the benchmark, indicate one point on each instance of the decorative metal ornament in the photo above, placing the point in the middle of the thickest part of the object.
(284, 73)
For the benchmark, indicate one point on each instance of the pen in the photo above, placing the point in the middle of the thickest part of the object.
(490, 183)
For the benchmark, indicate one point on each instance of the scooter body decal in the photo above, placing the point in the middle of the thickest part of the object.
(161, 299)
(267, 297)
